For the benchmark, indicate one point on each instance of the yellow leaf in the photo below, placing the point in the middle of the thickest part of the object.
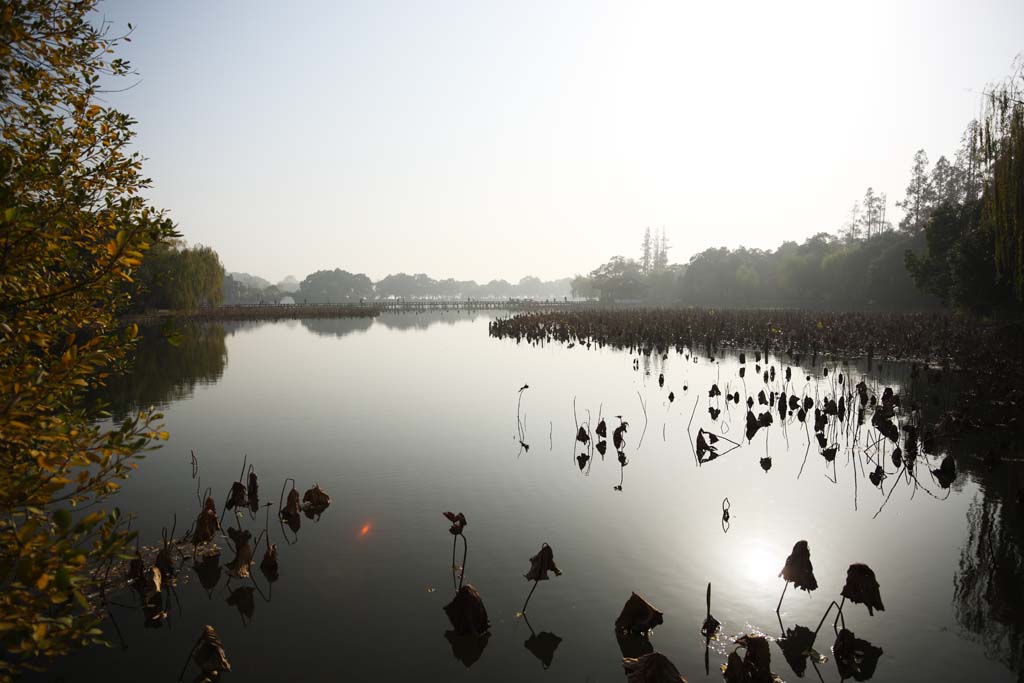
(43, 581)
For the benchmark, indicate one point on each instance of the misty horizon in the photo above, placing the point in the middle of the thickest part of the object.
(536, 139)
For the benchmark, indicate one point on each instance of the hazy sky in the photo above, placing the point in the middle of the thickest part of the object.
(498, 139)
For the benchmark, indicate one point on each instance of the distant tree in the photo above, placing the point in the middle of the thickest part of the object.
(620, 278)
(397, 285)
(582, 287)
(646, 258)
(945, 182)
(177, 277)
(873, 219)
(920, 197)
(661, 259)
(335, 286)
(970, 164)
(289, 284)
(851, 230)
(530, 286)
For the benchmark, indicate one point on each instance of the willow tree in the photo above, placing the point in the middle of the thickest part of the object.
(73, 228)
(1002, 144)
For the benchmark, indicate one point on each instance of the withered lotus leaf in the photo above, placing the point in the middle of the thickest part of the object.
(862, 588)
(542, 646)
(208, 570)
(269, 563)
(946, 474)
(638, 615)
(152, 582)
(467, 648)
(710, 627)
(798, 570)
(209, 655)
(136, 568)
(467, 613)
(652, 668)
(732, 670)
(243, 599)
(796, 646)
(617, 436)
(291, 506)
(207, 524)
(236, 497)
(239, 567)
(541, 564)
(755, 667)
(855, 658)
(316, 498)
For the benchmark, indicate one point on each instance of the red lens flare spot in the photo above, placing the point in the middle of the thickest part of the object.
(365, 530)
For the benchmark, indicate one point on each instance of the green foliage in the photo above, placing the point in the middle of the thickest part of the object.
(619, 279)
(180, 278)
(956, 264)
(1002, 144)
(334, 286)
(73, 230)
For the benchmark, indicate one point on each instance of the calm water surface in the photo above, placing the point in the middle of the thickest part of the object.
(406, 416)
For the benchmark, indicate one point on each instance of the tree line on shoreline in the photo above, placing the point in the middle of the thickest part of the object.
(959, 244)
(176, 276)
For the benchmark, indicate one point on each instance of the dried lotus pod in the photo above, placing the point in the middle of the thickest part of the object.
(458, 521)
(638, 616)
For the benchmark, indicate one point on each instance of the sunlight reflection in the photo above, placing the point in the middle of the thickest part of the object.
(760, 565)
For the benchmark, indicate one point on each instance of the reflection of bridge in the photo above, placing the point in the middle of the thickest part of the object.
(357, 309)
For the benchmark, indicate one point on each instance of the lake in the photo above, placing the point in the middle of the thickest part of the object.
(405, 416)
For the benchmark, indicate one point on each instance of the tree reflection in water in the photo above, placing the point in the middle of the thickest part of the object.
(166, 366)
(989, 583)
